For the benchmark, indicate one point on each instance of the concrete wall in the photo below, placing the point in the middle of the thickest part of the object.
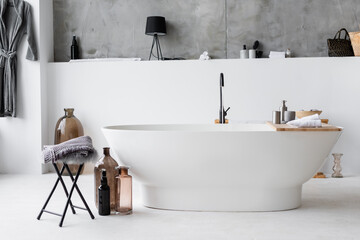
(115, 28)
(112, 93)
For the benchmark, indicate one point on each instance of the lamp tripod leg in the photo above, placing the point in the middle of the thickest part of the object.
(157, 46)
(158, 43)
(152, 47)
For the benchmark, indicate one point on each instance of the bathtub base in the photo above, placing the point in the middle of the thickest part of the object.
(224, 199)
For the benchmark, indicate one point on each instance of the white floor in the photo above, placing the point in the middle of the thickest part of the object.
(330, 210)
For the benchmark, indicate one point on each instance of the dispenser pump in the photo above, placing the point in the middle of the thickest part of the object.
(74, 42)
(103, 177)
(104, 195)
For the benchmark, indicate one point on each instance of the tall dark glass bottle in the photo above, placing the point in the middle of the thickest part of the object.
(74, 49)
(109, 164)
(104, 196)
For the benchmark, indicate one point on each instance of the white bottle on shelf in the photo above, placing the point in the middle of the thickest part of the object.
(244, 53)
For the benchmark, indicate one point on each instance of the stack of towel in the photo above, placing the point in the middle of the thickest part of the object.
(307, 122)
(76, 150)
(274, 54)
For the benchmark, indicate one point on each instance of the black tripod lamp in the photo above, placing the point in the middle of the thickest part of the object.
(156, 26)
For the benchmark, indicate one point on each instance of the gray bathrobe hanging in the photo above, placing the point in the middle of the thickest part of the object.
(15, 21)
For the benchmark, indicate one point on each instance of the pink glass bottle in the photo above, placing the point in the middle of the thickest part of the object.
(123, 191)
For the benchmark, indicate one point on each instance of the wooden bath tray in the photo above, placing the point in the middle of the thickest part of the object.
(286, 127)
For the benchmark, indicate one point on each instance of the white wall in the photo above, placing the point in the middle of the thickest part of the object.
(110, 93)
(107, 93)
(46, 55)
(20, 137)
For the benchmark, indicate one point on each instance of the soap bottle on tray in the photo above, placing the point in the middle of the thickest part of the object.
(283, 109)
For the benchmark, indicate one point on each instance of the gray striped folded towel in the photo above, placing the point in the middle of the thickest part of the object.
(76, 150)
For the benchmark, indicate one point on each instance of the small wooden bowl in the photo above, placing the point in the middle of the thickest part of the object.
(326, 121)
(301, 114)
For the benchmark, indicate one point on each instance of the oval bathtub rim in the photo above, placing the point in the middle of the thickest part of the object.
(192, 128)
(187, 128)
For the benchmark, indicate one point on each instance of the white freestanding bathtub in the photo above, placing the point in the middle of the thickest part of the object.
(227, 167)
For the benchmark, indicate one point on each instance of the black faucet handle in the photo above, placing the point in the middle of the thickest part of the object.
(225, 111)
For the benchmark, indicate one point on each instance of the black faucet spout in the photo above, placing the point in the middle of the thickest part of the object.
(222, 112)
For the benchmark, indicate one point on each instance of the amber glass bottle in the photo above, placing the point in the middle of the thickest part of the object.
(109, 164)
(68, 127)
(123, 191)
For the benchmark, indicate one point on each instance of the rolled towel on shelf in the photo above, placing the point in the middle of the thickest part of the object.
(311, 121)
(205, 56)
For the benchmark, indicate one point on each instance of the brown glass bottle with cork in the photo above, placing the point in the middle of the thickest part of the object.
(123, 191)
(109, 164)
(68, 127)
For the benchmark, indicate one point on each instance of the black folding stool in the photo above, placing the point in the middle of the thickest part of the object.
(68, 195)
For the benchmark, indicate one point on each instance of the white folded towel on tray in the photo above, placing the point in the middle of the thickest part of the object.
(311, 121)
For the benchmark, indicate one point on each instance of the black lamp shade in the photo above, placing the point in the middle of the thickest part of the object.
(155, 25)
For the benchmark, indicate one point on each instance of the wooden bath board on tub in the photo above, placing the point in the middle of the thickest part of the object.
(286, 127)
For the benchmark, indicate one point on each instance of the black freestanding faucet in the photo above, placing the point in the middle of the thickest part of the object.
(222, 112)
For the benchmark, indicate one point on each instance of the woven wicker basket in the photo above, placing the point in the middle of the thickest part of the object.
(340, 47)
(355, 42)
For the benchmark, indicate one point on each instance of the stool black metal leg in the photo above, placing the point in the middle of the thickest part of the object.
(51, 193)
(63, 184)
(78, 190)
(70, 194)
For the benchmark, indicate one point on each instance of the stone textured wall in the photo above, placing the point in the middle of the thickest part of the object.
(115, 28)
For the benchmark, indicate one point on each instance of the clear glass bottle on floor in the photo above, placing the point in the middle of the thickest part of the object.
(337, 167)
(109, 164)
(123, 191)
